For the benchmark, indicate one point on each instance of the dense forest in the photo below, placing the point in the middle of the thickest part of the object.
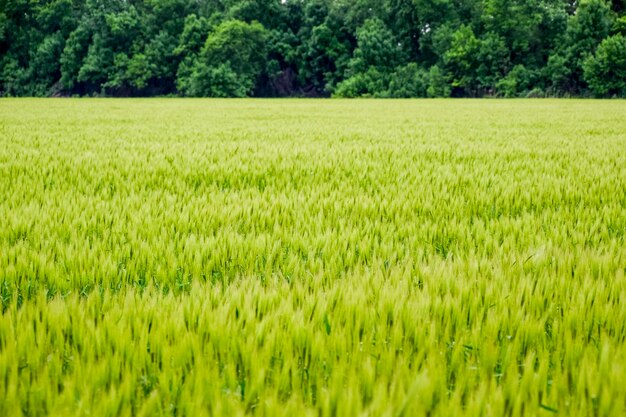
(311, 48)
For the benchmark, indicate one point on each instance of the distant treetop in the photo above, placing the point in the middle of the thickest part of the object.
(346, 48)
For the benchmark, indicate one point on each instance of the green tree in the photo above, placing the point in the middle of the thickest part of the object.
(270, 13)
(189, 46)
(605, 71)
(586, 29)
(380, 48)
(460, 56)
(373, 61)
(73, 55)
(97, 65)
(408, 81)
(325, 58)
(438, 85)
(218, 81)
(493, 62)
(517, 82)
(235, 50)
(376, 47)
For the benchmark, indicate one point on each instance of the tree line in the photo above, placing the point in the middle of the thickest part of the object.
(312, 48)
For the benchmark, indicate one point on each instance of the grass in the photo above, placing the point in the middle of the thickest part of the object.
(303, 257)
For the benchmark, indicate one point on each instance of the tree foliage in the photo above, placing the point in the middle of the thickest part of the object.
(605, 72)
(379, 48)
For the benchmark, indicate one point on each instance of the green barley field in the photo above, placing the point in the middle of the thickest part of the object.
(432, 258)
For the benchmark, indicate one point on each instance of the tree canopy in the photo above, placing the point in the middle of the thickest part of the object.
(348, 48)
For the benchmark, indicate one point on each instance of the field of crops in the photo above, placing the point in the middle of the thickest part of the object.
(312, 258)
